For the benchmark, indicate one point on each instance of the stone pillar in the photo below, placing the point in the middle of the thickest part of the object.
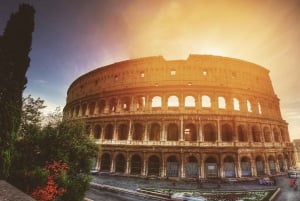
(146, 135)
(128, 164)
(266, 162)
(219, 131)
(202, 166)
(163, 168)
(130, 131)
(112, 166)
(96, 111)
(181, 129)
(115, 134)
(253, 167)
(182, 172)
(145, 167)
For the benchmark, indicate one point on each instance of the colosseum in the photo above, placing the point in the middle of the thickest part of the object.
(203, 117)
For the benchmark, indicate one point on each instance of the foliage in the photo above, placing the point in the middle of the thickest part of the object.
(51, 190)
(66, 142)
(31, 112)
(15, 45)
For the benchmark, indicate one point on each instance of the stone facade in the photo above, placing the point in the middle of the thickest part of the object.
(207, 117)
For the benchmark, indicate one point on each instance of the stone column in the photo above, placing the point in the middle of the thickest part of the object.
(145, 167)
(182, 172)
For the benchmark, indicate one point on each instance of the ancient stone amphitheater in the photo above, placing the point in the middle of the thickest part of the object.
(207, 117)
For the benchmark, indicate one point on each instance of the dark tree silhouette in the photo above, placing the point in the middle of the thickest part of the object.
(15, 45)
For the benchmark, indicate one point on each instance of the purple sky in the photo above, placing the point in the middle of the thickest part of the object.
(72, 37)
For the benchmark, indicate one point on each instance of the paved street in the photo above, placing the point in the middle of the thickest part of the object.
(131, 183)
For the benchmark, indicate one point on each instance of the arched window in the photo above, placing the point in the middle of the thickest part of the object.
(236, 104)
(242, 133)
(173, 133)
(190, 132)
(156, 101)
(97, 132)
(259, 161)
(173, 101)
(229, 167)
(227, 133)
(189, 101)
(191, 167)
(105, 163)
(276, 134)
(246, 167)
(154, 132)
(136, 165)
(210, 133)
(206, 102)
(249, 108)
(113, 105)
(259, 108)
(153, 165)
(172, 166)
(123, 132)
(138, 131)
(221, 103)
(120, 163)
(267, 134)
(125, 104)
(109, 130)
(256, 134)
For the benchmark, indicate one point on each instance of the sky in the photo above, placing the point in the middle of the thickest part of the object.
(73, 37)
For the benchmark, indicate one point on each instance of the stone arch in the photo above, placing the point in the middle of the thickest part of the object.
(140, 103)
(154, 134)
(206, 101)
(109, 132)
(267, 134)
(210, 132)
(172, 166)
(156, 102)
(153, 165)
(172, 132)
(91, 108)
(227, 133)
(242, 133)
(173, 101)
(97, 131)
(260, 166)
(236, 104)
(249, 106)
(191, 167)
(282, 136)
(272, 164)
(189, 101)
(123, 131)
(229, 166)
(138, 131)
(190, 132)
(211, 167)
(105, 162)
(120, 163)
(246, 167)
(276, 134)
(221, 102)
(280, 163)
(126, 104)
(101, 106)
(113, 103)
(256, 133)
(136, 165)
(84, 109)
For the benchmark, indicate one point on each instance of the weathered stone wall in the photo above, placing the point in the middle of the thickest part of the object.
(195, 114)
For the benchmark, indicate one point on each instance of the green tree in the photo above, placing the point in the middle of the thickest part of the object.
(63, 141)
(15, 45)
